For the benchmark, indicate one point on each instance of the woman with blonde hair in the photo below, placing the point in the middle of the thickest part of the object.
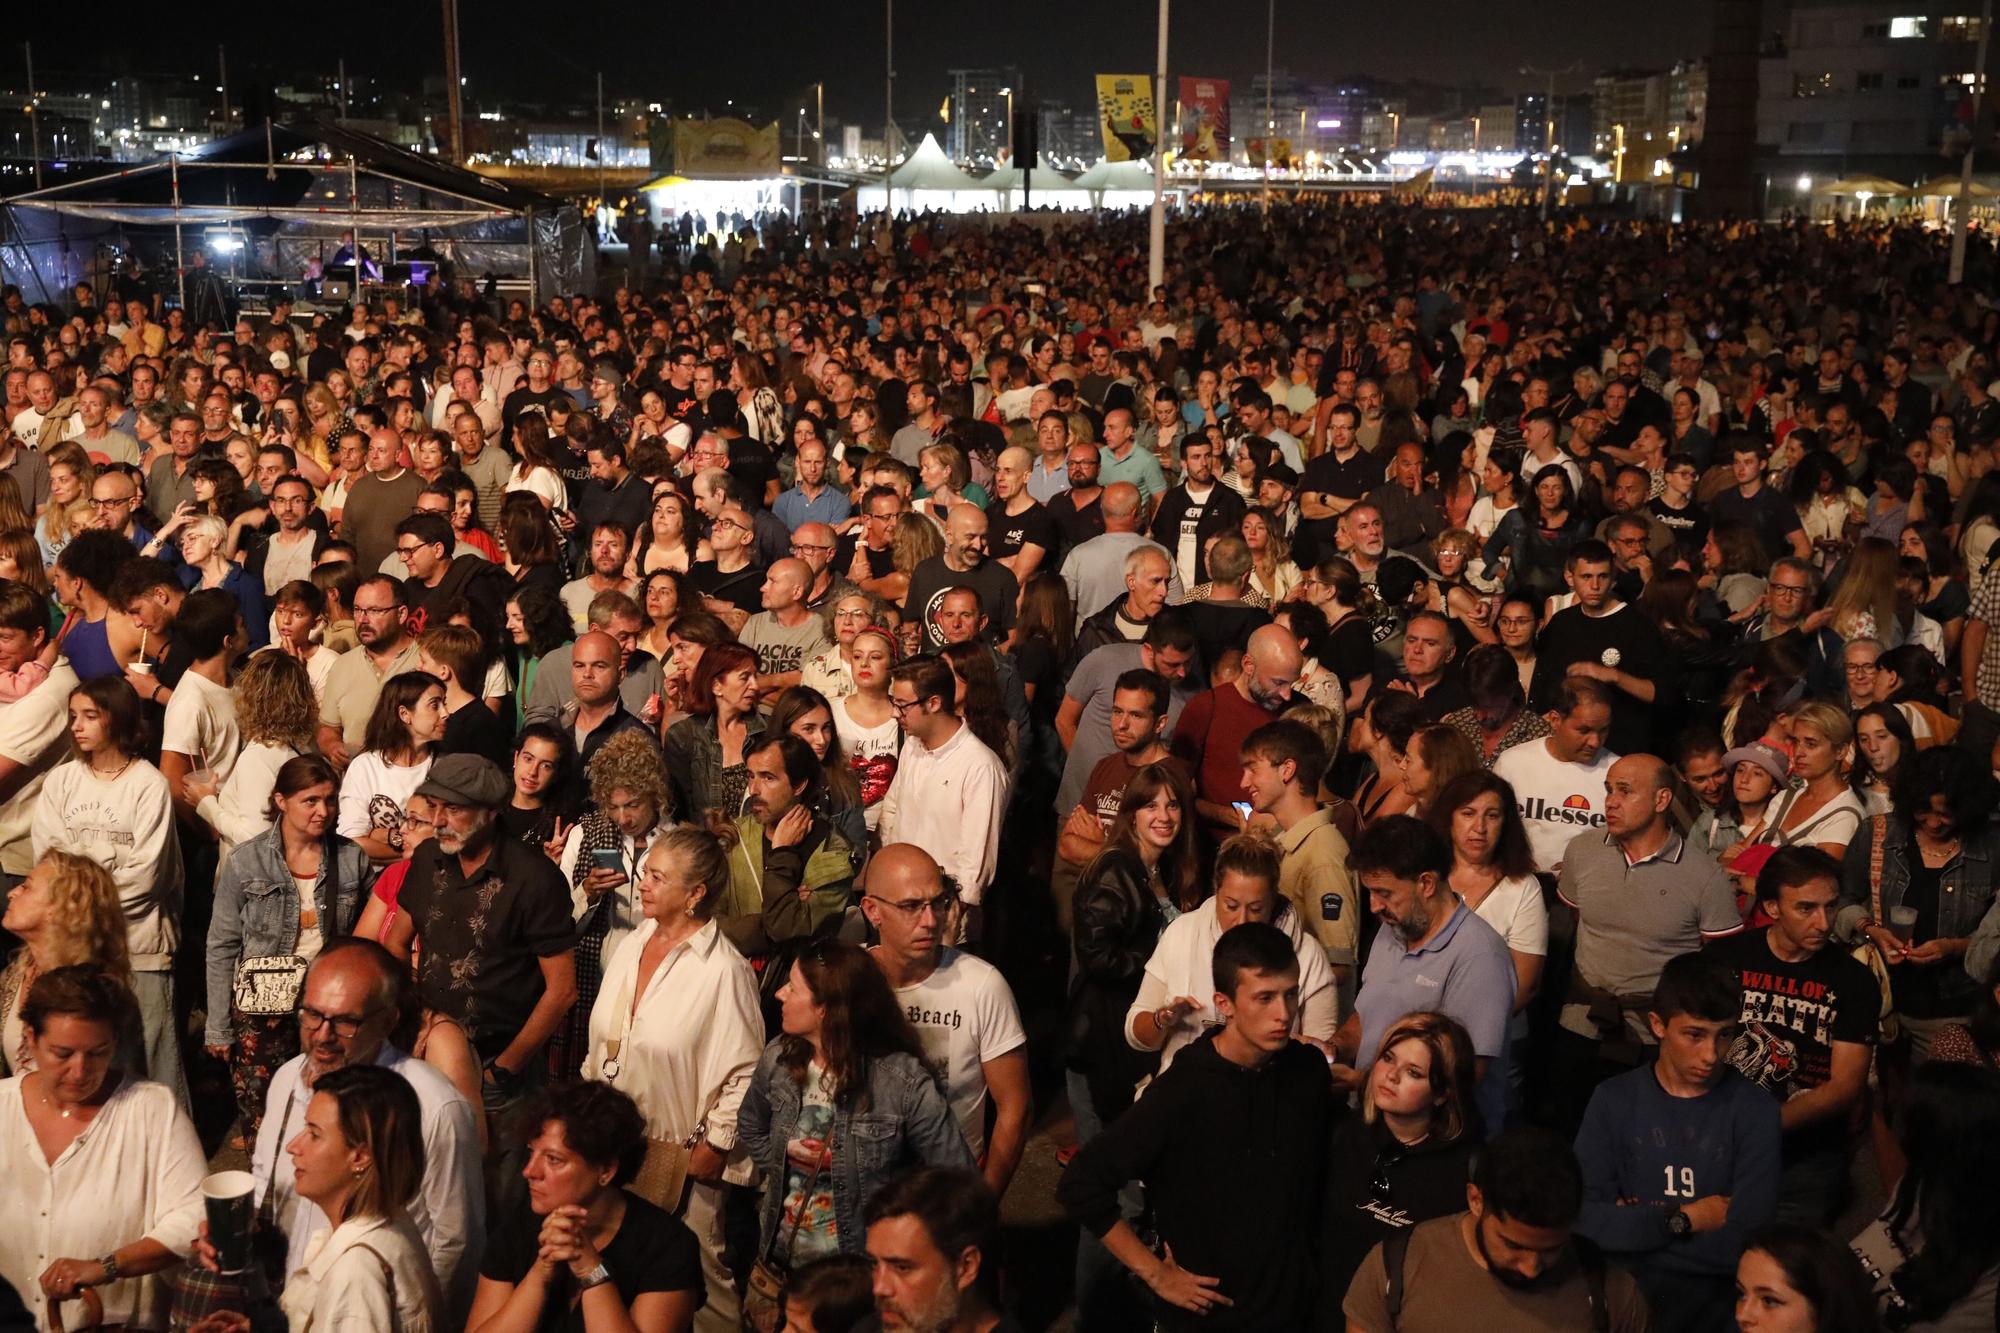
(1405, 1158)
(1272, 571)
(65, 912)
(69, 510)
(1825, 812)
(324, 422)
(1864, 605)
(279, 715)
(916, 540)
(947, 481)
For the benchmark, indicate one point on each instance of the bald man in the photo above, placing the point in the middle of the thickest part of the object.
(1209, 737)
(596, 714)
(786, 632)
(816, 544)
(1095, 569)
(960, 1005)
(1021, 534)
(963, 564)
(732, 583)
(378, 500)
(1641, 897)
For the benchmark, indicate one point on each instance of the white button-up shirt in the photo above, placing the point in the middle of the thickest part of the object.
(133, 1174)
(949, 802)
(687, 1050)
(449, 1212)
(342, 1286)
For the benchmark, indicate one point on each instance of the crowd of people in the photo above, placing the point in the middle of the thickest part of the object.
(1445, 761)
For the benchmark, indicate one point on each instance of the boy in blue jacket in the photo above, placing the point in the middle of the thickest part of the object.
(1681, 1158)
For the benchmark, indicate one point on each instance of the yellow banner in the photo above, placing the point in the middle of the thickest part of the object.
(1127, 117)
(725, 147)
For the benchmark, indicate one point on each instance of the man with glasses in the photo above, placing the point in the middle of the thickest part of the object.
(355, 681)
(960, 1005)
(950, 790)
(114, 507)
(1788, 601)
(732, 583)
(811, 500)
(537, 393)
(1078, 510)
(346, 1012)
(291, 550)
(816, 544)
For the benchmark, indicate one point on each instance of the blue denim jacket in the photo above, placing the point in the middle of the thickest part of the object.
(257, 911)
(1965, 890)
(902, 1121)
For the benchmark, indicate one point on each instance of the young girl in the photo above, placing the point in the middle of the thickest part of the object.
(867, 721)
(404, 729)
(300, 619)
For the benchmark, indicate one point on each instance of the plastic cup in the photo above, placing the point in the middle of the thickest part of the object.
(1903, 922)
(230, 1197)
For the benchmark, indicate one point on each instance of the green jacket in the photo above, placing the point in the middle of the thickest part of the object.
(778, 894)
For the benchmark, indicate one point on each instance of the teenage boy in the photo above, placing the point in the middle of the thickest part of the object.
(454, 654)
(1809, 1014)
(1681, 1157)
(1230, 1142)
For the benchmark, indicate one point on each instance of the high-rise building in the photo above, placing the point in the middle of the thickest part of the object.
(1069, 134)
(1572, 122)
(982, 109)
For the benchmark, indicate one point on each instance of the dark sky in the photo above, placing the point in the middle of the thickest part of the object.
(765, 51)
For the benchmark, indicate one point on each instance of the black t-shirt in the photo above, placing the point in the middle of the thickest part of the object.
(1220, 626)
(754, 465)
(477, 729)
(1770, 515)
(525, 399)
(1077, 525)
(484, 938)
(1350, 480)
(1571, 637)
(652, 1251)
(1007, 533)
(932, 579)
(743, 590)
(1792, 1015)
(1350, 649)
(1689, 525)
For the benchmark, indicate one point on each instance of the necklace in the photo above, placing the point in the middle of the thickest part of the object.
(112, 776)
(65, 1112)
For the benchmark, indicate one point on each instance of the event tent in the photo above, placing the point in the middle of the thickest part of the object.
(1046, 188)
(1118, 184)
(283, 195)
(927, 179)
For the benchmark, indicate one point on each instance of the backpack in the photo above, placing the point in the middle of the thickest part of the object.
(1396, 1247)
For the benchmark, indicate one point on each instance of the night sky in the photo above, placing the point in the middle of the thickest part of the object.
(766, 51)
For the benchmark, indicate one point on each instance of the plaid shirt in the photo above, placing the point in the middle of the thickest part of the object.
(1986, 607)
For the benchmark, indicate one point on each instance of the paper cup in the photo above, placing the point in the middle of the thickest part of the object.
(231, 1198)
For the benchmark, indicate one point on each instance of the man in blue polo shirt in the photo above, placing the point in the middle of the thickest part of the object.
(1433, 953)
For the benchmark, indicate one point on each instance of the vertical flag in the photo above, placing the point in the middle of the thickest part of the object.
(1205, 119)
(1127, 117)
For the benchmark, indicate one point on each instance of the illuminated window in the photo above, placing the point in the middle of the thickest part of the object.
(1907, 27)
(1812, 85)
(1960, 29)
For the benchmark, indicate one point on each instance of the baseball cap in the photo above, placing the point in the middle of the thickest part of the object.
(1766, 756)
(466, 779)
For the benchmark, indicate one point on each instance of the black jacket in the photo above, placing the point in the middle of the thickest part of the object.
(1222, 512)
(1234, 1161)
(472, 577)
(1425, 1181)
(1098, 629)
(1117, 921)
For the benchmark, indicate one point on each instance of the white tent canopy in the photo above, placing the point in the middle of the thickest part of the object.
(1047, 188)
(1118, 184)
(929, 179)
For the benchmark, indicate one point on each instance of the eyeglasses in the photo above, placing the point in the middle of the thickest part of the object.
(729, 523)
(898, 706)
(407, 551)
(1793, 589)
(344, 1026)
(375, 610)
(808, 546)
(1860, 668)
(112, 503)
(913, 908)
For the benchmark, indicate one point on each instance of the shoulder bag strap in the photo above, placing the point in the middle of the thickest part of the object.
(1395, 1248)
(389, 1277)
(1878, 826)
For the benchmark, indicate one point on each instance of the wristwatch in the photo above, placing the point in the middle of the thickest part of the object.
(596, 1277)
(1679, 1225)
(109, 1263)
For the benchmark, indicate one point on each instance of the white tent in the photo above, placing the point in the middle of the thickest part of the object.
(1047, 188)
(929, 179)
(1119, 184)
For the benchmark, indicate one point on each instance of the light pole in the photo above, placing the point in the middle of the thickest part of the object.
(1955, 275)
(1008, 142)
(1270, 121)
(1549, 128)
(888, 104)
(1156, 230)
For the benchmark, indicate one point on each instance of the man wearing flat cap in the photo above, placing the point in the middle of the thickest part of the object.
(493, 916)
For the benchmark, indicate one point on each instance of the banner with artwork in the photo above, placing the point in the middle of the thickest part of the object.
(725, 147)
(1278, 152)
(1205, 119)
(1126, 117)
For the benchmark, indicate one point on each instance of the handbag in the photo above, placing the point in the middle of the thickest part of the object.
(1866, 953)
(271, 984)
(764, 1299)
(663, 1175)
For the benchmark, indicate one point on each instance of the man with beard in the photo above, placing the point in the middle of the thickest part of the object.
(1209, 735)
(1433, 953)
(352, 686)
(1509, 1261)
(1680, 1157)
(347, 1009)
(493, 918)
(934, 1238)
(794, 876)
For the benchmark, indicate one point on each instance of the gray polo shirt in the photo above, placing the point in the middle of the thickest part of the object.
(1632, 918)
(1092, 684)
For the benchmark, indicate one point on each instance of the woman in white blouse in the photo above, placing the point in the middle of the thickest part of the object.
(360, 1157)
(278, 713)
(103, 1170)
(676, 1026)
(1493, 870)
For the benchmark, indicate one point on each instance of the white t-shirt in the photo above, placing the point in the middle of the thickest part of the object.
(373, 793)
(1557, 799)
(1187, 545)
(871, 753)
(543, 481)
(1515, 909)
(965, 1015)
(201, 724)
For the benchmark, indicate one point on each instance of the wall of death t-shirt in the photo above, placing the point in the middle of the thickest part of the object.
(1557, 799)
(964, 1014)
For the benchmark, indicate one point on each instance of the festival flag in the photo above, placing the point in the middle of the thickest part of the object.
(1127, 117)
(1205, 119)
(1278, 152)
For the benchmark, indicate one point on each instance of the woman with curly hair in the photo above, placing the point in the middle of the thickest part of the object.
(66, 911)
(600, 856)
(276, 710)
(668, 539)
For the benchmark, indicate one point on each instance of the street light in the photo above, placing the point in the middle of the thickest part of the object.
(1008, 93)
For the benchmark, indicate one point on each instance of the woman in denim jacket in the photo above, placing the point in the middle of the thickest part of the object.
(261, 911)
(840, 1103)
(1940, 853)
